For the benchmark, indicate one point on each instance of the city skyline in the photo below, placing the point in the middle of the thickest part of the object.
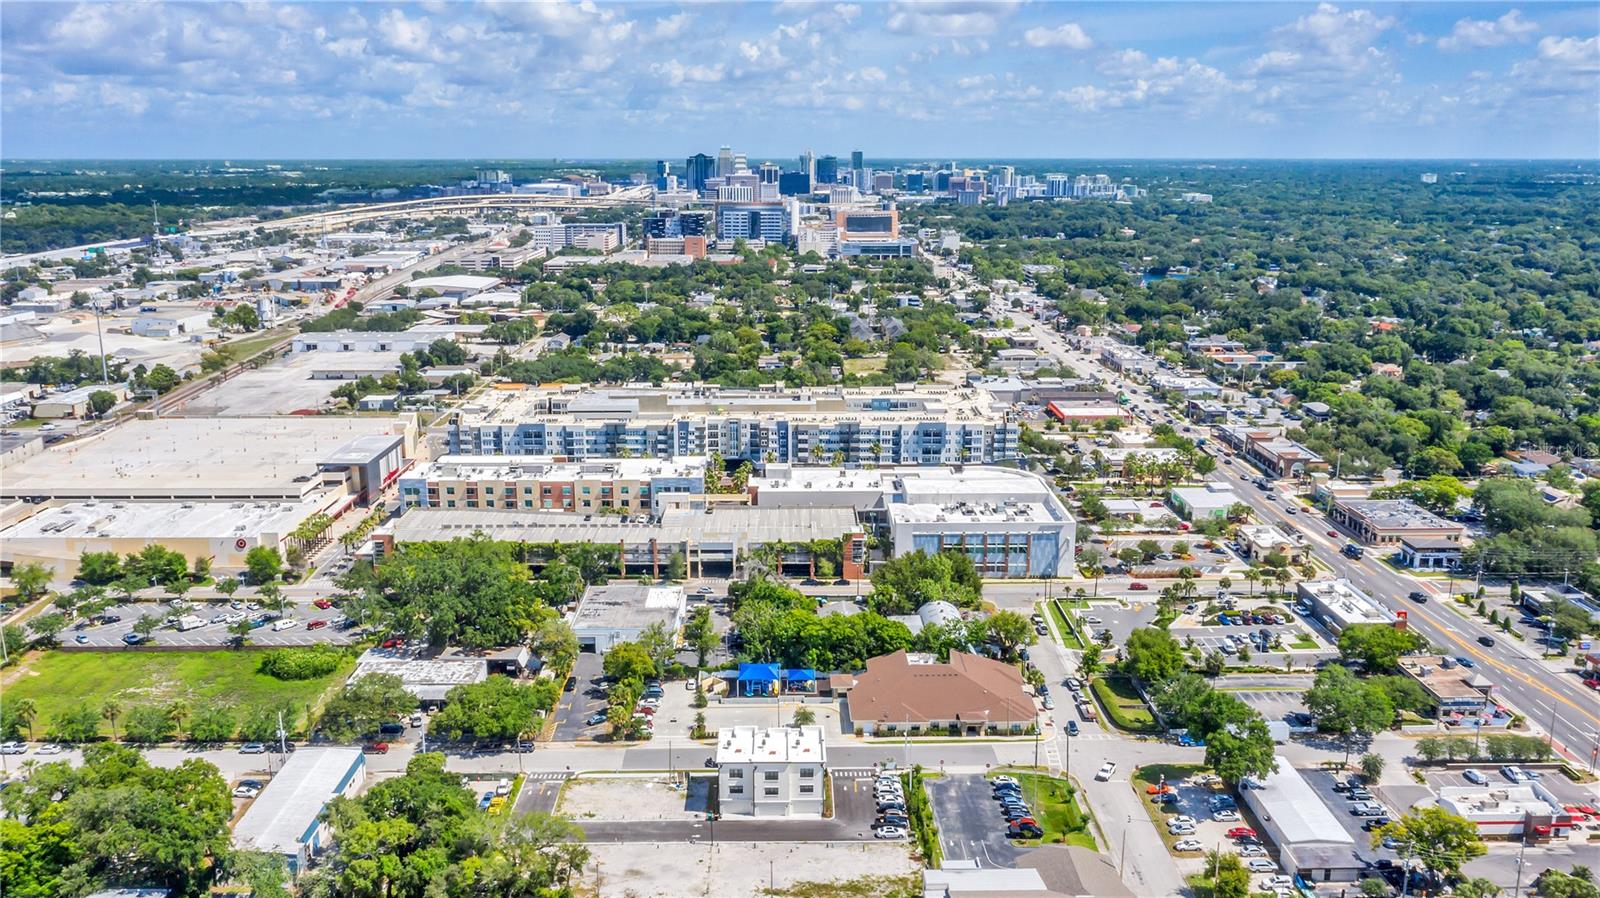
(986, 80)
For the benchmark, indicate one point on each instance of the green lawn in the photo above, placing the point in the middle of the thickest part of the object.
(248, 347)
(1123, 705)
(1068, 634)
(57, 681)
(1055, 808)
(871, 364)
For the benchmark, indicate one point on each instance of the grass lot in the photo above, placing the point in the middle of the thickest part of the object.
(871, 364)
(58, 681)
(1123, 705)
(1064, 628)
(249, 347)
(1055, 808)
(1145, 777)
(1303, 642)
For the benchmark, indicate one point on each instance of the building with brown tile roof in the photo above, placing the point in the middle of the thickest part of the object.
(970, 695)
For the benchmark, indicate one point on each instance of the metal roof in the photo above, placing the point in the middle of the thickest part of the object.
(287, 808)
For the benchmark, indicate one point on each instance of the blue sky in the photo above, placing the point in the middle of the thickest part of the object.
(923, 80)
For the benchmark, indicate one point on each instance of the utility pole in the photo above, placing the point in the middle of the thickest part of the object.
(105, 373)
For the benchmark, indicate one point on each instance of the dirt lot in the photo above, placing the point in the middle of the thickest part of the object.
(634, 799)
(801, 870)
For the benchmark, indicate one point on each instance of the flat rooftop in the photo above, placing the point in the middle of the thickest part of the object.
(1496, 802)
(724, 525)
(1300, 814)
(225, 458)
(454, 282)
(158, 520)
(770, 745)
(1446, 683)
(286, 808)
(1346, 604)
(546, 467)
(1397, 514)
(996, 512)
(425, 677)
(627, 606)
(674, 401)
(298, 380)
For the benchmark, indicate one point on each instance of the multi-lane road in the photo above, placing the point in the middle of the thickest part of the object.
(1552, 700)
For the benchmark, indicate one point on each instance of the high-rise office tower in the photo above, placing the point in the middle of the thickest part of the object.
(808, 165)
(698, 169)
(725, 162)
(827, 170)
(856, 160)
(768, 172)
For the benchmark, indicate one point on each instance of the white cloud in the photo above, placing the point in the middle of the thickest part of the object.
(949, 18)
(1574, 55)
(677, 73)
(1069, 36)
(1325, 40)
(872, 74)
(1471, 34)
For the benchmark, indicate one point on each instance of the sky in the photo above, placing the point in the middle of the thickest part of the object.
(894, 79)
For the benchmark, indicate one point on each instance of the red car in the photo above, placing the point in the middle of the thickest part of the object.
(1333, 533)
(1241, 832)
(316, 625)
(394, 643)
(324, 604)
(1136, 585)
(376, 748)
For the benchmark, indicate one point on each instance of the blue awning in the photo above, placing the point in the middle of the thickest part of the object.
(760, 673)
(799, 675)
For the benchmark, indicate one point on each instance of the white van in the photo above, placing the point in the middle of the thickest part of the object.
(284, 623)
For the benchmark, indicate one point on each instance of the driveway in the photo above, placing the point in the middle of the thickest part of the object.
(970, 825)
(573, 708)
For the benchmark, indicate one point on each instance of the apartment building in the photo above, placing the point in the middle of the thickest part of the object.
(621, 486)
(920, 425)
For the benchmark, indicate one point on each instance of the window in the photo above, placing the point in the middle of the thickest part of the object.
(735, 773)
(736, 789)
(807, 773)
(770, 791)
(771, 776)
(807, 789)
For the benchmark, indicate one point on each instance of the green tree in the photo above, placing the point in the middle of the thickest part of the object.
(498, 709)
(629, 662)
(359, 708)
(19, 713)
(212, 724)
(1152, 655)
(1010, 631)
(162, 379)
(31, 580)
(555, 643)
(804, 716)
(110, 710)
(700, 634)
(1243, 751)
(148, 724)
(264, 564)
(99, 568)
(1371, 767)
(659, 642)
(1439, 840)
(1346, 706)
(101, 401)
(47, 627)
(1378, 646)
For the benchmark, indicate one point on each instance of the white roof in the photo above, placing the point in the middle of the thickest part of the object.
(288, 807)
(472, 282)
(1289, 802)
(771, 745)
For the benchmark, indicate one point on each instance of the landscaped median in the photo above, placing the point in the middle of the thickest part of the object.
(1066, 630)
(1123, 705)
(1055, 808)
(920, 812)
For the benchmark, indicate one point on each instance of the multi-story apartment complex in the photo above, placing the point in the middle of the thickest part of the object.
(922, 425)
(771, 772)
(754, 221)
(601, 236)
(678, 223)
(622, 486)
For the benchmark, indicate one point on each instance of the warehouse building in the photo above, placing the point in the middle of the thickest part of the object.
(286, 818)
(1312, 843)
(619, 612)
(200, 459)
(75, 403)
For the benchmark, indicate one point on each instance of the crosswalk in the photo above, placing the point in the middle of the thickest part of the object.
(853, 773)
(556, 776)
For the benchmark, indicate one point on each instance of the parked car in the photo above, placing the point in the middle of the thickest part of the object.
(570, 685)
(323, 604)
(1180, 829)
(1250, 851)
(284, 623)
(1240, 832)
(245, 792)
(1136, 586)
(252, 748)
(13, 748)
(891, 832)
(375, 748)
(1261, 865)
(595, 719)
(1513, 773)
(316, 624)
(1072, 728)
(1024, 831)
(1225, 816)
(1188, 845)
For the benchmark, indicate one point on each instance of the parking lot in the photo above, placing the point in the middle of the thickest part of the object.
(1272, 704)
(1120, 621)
(214, 632)
(574, 708)
(970, 825)
(853, 812)
(1322, 783)
(1565, 790)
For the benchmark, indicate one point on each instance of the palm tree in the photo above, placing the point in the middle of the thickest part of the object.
(1252, 576)
(178, 712)
(111, 710)
(24, 711)
(1282, 576)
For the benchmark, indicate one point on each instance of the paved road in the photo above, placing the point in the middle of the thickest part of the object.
(1556, 703)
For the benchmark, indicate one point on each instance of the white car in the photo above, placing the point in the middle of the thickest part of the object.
(1475, 777)
(50, 748)
(1180, 829)
(1008, 780)
(890, 832)
(1250, 851)
(246, 792)
(284, 623)
(1261, 865)
(13, 748)
(1188, 845)
(1105, 771)
(1278, 882)
(1182, 820)
(1225, 816)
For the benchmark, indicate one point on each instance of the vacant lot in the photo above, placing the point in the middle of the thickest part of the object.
(57, 681)
(789, 870)
(871, 364)
(635, 798)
